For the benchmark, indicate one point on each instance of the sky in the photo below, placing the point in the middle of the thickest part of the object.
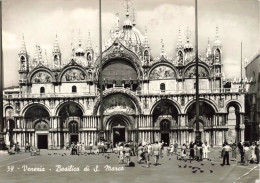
(40, 20)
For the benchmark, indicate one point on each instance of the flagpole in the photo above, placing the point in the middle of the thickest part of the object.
(197, 132)
(101, 109)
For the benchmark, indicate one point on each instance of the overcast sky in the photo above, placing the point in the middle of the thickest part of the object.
(40, 20)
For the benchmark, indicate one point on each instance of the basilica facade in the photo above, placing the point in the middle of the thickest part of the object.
(145, 98)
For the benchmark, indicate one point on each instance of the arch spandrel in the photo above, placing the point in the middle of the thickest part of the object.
(127, 93)
(162, 72)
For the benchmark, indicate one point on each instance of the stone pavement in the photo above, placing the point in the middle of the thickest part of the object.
(62, 167)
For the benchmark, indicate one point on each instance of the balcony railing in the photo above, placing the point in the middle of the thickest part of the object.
(149, 92)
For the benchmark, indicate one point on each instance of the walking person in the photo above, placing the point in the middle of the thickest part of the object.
(90, 147)
(241, 151)
(205, 150)
(246, 153)
(183, 151)
(146, 155)
(226, 149)
(257, 153)
(127, 150)
(234, 151)
(139, 153)
(156, 152)
(175, 147)
(253, 155)
(191, 150)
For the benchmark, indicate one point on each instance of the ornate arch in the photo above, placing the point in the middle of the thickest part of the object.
(210, 102)
(70, 66)
(112, 91)
(161, 64)
(173, 102)
(28, 106)
(201, 65)
(59, 107)
(41, 69)
(118, 51)
(123, 116)
(234, 103)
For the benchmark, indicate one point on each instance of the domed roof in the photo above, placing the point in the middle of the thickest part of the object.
(79, 50)
(188, 45)
(132, 36)
(217, 42)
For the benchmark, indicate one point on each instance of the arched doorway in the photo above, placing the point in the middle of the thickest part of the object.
(70, 117)
(74, 131)
(206, 119)
(165, 131)
(36, 118)
(165, 118)
(42, 131)
(233, 123)
(118, 125)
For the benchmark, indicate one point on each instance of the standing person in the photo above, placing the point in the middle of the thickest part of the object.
(156, 152)
(205, 149)
(127, 150)
(121, 153)
(150, 149)
(90, 147)
(226, 150)
(146, 155)
(171, 149)
(253, 155)
(234, 151)
(191, 150)
(246, 153)
(83, 148)
(257, 153)
(241, 151)
(139, 153)
(175, 147)
(183, 151)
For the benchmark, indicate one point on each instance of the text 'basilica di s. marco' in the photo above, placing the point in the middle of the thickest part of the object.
(145, 98)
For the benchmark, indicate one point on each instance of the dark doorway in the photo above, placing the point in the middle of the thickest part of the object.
(119, 135)
(165, 137)
(43, 141)
(74, 138)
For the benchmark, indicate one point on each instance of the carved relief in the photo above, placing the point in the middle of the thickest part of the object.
(41, 77)
(73, 75)
(118, 102)
(162, 72)
(191, 72)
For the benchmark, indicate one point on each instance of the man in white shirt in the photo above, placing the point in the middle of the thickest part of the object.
(226, 150)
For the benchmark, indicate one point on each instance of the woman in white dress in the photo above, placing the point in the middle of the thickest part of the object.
(253, 155)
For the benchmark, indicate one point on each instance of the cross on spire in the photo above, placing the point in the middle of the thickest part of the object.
(127, 4)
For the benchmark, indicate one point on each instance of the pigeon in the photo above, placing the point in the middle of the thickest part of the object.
(211, 171)
(169, 158)
(179, 166)
(212, 164)
(62, 155)
(185, 166)
(201, 171)
(194, 171)
(202, 164)
(190, 166)
(193, 168)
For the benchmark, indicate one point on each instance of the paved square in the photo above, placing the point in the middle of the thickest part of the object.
(99, 168)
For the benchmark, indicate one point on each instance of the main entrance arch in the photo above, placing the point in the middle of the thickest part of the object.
(118, 128)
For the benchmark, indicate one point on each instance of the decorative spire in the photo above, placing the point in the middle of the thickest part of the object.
(188, 46)
(89, 44)
(179, 41)
(23, 47)
(80, 39)
(146, 43)
(217, 41)
(188, 33)
(127, 4)
(134, 23)
(162, 48)
(117, 22)
(208, 51)
(56, 48)
(46, 58)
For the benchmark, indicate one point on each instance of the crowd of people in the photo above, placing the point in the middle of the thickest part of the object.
(248, 153)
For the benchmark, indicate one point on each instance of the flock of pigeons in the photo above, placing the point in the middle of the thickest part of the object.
(107, 156)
